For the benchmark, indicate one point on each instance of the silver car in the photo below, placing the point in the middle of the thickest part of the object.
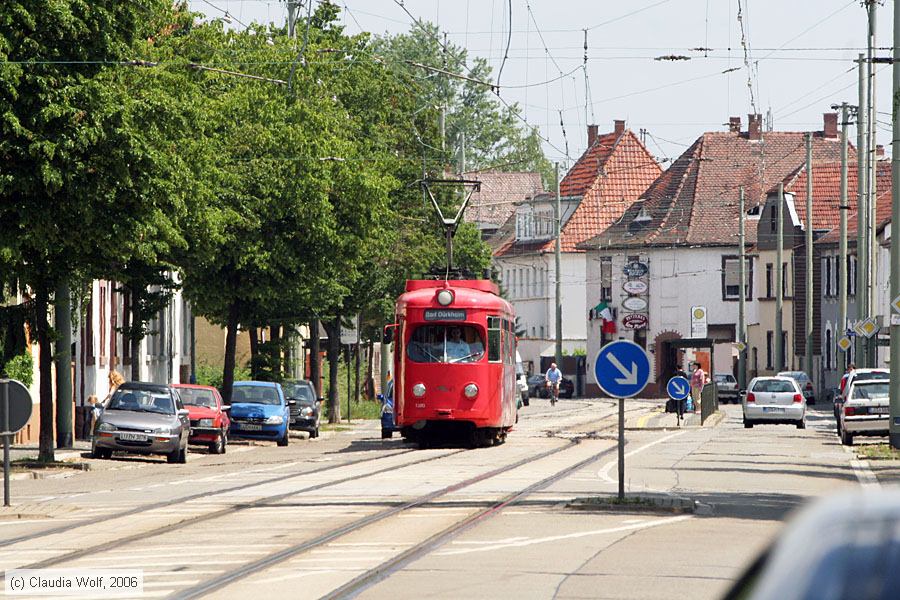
(805, 383)
(866, 410)
(143, 418)
(727, 387)
(774, 400)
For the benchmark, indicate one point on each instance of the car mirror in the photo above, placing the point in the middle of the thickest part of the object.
(743, 392)
(226, 407)
(183, 412)
(320, 399)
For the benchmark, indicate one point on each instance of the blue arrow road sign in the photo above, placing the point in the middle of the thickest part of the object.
(678, 388)
(622, 369)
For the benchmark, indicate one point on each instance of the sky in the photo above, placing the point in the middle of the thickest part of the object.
(800, 53)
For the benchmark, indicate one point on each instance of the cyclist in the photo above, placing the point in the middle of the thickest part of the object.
(553, 378)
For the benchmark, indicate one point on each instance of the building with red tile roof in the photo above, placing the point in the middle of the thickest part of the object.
(500, 191)
(608, 177)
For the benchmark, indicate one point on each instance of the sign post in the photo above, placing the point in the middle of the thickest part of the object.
(622, 370)
(15, 410)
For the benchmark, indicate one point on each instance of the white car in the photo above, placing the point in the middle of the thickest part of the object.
(774, 400)
(866, 410)
(521, 379)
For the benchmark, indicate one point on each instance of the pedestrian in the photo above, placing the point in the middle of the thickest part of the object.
(698, 380)
(850, 368)
(680, 406)
(94, 413)
(115, 380)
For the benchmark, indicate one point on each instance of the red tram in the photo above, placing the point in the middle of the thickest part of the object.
(454, 362)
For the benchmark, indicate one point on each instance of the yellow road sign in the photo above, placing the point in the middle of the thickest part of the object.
(844, 343)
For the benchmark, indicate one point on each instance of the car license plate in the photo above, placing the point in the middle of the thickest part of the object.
(133, 437)
(772, 409)
(880, 410)
(250, 427)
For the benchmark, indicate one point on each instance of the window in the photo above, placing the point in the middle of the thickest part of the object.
(851, 275)
(102, 320)
(731, 275)
(770, 285)
(528, 284)
(829, 290)
(769, 351)
(512, 284)
(606, 278)
(829, 349)
(494, 339)
(449, 343)
(784, 362)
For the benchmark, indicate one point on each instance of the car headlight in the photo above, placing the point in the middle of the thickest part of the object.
(163, 430)
(418, 390)
(276, 420)
(205, 423)
(106, 427)
(470, 390)
(306, 411)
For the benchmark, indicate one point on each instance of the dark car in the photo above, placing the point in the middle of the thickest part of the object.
(537, 387)
(305, 409)
(143, 418)
(388, 427)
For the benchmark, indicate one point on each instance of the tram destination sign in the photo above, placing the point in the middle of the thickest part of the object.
(444, 314)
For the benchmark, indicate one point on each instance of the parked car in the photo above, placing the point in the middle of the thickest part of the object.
(774, 400)
(388, 426)
(305, 409)
(143, 418)
(866, 410)
(727, 387)
(805, 383)
(259, 411)
(847, 380)
(537, 387)
(844, 546)
(521, 379)
(208, 415)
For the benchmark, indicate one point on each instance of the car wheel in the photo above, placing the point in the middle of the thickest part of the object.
(748, 424)
(218, 447)
(174, 457)
(97, 452)
(801, 424)
(314, 433)
(182, 456)
(846, 438)
(284, 440)
(386, 434)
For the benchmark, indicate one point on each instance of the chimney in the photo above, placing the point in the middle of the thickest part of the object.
(620, 126)
(734, 124)
(754, 126)
(879, 151)
(592, 135)
(830, 125)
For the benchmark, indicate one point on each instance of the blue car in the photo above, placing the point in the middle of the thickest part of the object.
(259, 411)
(387, 411)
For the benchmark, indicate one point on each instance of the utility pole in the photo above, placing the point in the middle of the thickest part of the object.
(292, 18)
(895, 247)
(872, 157)
(844, 207)
(779, 280)
(862, 212)
(808, 330)
(559, 335)
(462, 153)
(742, 297)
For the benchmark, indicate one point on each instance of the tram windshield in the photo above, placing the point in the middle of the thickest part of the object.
(445, 344)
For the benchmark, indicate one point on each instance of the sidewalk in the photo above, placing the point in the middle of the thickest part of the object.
(30, 452)
(657, 418)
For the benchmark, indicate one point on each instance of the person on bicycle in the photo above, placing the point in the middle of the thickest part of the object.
(553, 377)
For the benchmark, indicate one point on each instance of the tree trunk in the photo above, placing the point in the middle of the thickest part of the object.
(333, 329)
(274, 358)
(42, 324)
(230, 351)
(356, 363)
(254, 353)
(288, 361)
(315, 355)
(134, 339)
(370, 368)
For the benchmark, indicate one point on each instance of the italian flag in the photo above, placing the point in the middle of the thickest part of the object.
(603, 311)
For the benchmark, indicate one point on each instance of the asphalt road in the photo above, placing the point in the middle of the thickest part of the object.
(350, 513)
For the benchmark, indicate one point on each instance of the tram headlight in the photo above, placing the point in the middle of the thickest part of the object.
(445, 297)
(419, 390)
(470, 390)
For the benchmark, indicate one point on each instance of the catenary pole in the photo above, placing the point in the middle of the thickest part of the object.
(742, 295)
(872, 179)
(779, 280)
(808, 296)
(842, 264)
(895, 248)
(558, 218)
(862, 212)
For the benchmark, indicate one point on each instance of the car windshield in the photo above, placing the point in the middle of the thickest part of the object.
(195, 397)
(798, 375)
(298, 391)
(445, 344)
(724, 379)
(151, 401)
(253, 394)
(873, 389)
(871, 375)
(773, 386)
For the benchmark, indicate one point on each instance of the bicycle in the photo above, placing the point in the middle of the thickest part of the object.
(554, 392)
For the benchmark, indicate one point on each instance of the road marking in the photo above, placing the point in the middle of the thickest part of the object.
(603, 473)
(569, 536)
(865, 475)
(643, 420)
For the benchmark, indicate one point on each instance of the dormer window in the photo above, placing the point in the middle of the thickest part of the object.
(643, 216)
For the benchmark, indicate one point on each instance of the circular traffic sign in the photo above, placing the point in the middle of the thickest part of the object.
(678, 388)
(19, 405)
(622, 369)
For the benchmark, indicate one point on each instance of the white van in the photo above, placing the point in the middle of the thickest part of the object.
(521, 379)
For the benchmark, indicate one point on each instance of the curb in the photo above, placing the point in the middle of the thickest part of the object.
(639, 503)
